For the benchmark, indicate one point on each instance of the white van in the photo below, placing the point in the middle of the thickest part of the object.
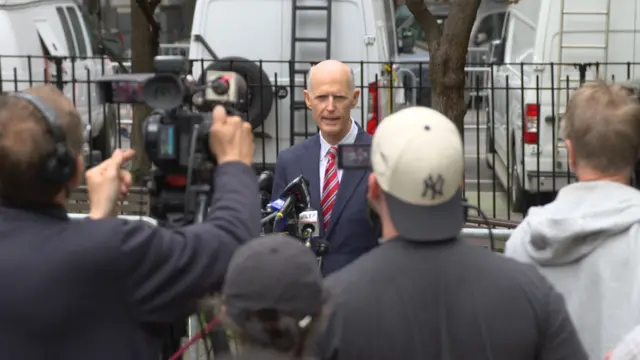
(361, 32)
(529, 95)
(35, 30)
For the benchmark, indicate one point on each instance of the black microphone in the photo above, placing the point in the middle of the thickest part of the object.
(305, 191)
(265, 184)
(288, 204)
(322, 249)
(299, 188)
(265, 181)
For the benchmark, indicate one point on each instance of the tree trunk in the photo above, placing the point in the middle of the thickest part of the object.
(144, 45)
(448, 53)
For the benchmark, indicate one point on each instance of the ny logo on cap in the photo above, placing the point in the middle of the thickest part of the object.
(435, 187)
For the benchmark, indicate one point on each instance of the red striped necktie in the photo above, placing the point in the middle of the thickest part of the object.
(330, 188)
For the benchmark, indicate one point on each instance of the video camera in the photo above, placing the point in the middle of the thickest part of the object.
(176, 137)
(169, 130)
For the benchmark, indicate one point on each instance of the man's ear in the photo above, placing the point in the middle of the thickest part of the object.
(373, 189)
(307, 98)
(355, 98)
(570, 154)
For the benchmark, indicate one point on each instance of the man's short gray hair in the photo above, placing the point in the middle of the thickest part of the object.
(352, 77)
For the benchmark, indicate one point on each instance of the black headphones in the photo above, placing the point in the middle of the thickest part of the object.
(61, 166)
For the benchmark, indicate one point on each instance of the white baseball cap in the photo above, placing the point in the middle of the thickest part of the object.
(418, 160)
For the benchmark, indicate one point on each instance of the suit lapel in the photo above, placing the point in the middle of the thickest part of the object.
(310, 169)
(350, 181)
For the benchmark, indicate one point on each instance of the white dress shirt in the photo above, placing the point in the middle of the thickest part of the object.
(350, 138)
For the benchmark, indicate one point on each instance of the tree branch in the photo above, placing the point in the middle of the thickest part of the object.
(147, 9)
(153, 4)
(427, 21)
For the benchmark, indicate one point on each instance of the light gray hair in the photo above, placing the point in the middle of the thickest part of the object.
(351, 79)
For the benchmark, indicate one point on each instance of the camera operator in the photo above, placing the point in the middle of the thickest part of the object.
(274, 298)
(96, 288)
(425, 293)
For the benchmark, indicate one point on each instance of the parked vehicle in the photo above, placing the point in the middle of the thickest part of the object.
(34, 34)
(487, 27)
(360, 32)
(530, 93)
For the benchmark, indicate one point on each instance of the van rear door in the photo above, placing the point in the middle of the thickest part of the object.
(53, 47)
(47, 35)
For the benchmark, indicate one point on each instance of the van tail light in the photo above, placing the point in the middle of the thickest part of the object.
(372, 116)
(530, 124)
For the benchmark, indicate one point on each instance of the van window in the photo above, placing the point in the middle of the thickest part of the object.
(521, 38)
(67, 32)
(489, 29)
(418, 33)
(78, 31)
(529, 9)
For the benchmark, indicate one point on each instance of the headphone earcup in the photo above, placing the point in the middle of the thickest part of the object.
(61, 167)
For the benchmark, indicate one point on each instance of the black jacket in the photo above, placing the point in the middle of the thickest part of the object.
(87, 289)
(444, 301)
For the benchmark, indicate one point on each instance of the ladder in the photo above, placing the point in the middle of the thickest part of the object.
(564, 86)
(296, 71)
(561, 82)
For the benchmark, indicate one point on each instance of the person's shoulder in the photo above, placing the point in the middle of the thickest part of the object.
(114, 222)
(484, 262)
(292, 152)
(365, 137)
(496, 261)
(117, 230)
(350, 277)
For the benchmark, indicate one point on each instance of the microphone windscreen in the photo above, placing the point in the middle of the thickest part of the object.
(265, 181)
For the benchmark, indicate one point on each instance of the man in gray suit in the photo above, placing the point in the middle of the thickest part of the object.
(339, 197)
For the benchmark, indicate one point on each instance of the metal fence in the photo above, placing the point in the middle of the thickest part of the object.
(514, 154)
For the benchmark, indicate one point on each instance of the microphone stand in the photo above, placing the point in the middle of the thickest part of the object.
(308, 226)
(322, 248)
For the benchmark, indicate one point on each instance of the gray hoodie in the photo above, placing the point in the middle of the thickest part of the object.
(587, 243)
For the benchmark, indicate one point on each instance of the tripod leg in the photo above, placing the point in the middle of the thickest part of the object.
(220, 341)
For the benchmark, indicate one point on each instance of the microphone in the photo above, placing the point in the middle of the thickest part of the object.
(308, 225)
(299, 189)
(277, 210)
(286, 206)
(265, 181)
(265, 184)
(322, 248)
